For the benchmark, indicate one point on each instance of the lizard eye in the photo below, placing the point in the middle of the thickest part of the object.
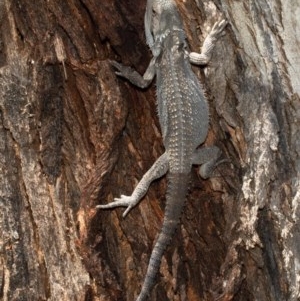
(154, 12)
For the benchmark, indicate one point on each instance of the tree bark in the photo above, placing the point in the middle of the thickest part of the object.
(74, 135)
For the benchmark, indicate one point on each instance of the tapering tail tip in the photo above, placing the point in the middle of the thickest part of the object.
(176, 194)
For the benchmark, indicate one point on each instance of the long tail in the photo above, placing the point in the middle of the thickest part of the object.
(177, 190)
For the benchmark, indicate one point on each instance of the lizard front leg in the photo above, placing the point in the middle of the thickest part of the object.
(133, 76)
(158, 169)
(208, 45)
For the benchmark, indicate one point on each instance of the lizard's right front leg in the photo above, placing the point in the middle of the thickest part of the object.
(133, 76)
(158, 169)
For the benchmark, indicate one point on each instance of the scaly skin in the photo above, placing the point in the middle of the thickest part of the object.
(183, 115)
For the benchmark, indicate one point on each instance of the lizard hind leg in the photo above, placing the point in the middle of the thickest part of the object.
(208, 159)
(158, 169)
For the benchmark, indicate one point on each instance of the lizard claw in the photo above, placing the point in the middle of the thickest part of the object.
(123, 201)
(218, 28)
(118, 67)
(115, 64)
(122, 70)
(133, 76)
(207, 169)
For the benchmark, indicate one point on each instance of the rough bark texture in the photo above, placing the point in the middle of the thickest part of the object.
(73, 135)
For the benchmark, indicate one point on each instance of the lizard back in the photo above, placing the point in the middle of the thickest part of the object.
(182, 108)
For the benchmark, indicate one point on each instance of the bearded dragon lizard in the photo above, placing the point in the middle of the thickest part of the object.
(183, 115)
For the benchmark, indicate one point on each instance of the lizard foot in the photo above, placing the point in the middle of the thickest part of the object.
(207, 169)
(123, 201)
(133, 76)
(122, 70)
(218, 29)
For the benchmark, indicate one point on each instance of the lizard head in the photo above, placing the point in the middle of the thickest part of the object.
(161, 18)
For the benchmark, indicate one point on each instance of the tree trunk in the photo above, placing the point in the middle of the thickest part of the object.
(73, 135)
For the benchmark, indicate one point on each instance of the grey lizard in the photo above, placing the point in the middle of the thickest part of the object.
(183, 115)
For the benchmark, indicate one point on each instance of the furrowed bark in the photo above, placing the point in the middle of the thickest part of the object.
(73, 135)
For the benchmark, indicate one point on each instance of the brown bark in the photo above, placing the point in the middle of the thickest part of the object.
(73, 135)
